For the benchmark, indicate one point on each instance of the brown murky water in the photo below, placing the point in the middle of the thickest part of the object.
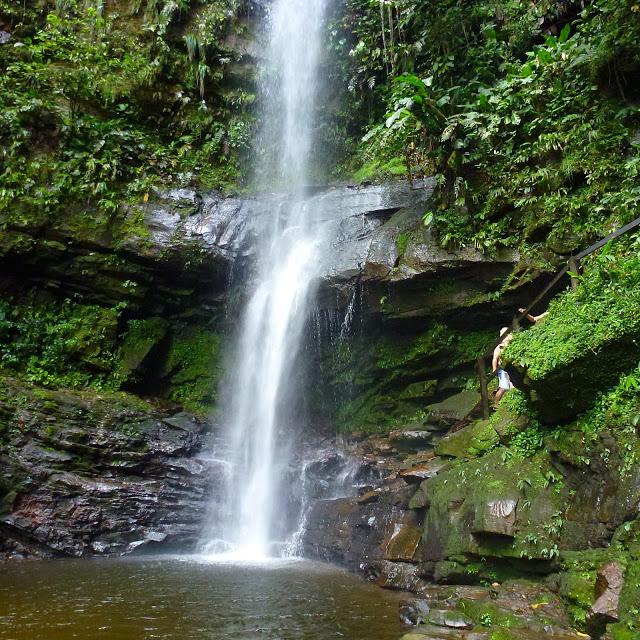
(191, 599)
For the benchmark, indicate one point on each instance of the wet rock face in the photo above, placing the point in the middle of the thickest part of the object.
(180, 244)
(227, 228)
(373, 532)
(355, 533)
(85, 474)
(179, 247)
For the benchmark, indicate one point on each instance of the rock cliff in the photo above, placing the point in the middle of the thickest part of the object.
(85, 473)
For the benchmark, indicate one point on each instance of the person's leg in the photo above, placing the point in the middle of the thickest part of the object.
(499, 395)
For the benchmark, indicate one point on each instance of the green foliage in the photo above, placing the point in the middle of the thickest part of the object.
(97, 105)
(525, 112)
(602, 309)
(68, 344)
(380, 170)
(193, 368)
(58, 344)
(401, 243)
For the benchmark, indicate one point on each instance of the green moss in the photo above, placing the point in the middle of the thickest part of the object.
(591, 336)
(577, 583)
(503, 634)
(139, 340)
(401, 243)
(621, 632)
(57, 344)
(381, 383)
(602, 310)
(472, 441)
(479, 611)
(193, 368)
(377, 170)
(577, 589)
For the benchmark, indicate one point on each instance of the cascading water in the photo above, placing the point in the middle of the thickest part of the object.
(287, 265)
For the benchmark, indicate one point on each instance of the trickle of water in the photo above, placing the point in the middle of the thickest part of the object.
(288, 262)
(348, 316)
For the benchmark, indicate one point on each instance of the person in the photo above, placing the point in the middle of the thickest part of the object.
(532, 318)
(504, 381)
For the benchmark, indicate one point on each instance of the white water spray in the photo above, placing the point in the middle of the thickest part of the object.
(263, 372)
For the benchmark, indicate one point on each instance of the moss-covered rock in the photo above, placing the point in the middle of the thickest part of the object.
(578, 580)
(591, 336)
(141, 338)
(381, 383)
(473, 440)
(455, 408)
(193, 367)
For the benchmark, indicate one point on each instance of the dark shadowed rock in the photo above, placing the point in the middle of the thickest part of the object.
(413, 439)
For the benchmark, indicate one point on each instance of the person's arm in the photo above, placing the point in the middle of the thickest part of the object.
(529, 317)
(534, 319)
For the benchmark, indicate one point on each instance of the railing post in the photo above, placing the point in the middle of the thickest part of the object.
(574, 270)
(484, 391)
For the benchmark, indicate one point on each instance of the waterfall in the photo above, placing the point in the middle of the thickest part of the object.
(263, 377)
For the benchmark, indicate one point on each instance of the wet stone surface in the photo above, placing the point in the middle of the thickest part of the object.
(96, 475)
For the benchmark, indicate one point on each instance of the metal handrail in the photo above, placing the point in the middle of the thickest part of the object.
(572, 267)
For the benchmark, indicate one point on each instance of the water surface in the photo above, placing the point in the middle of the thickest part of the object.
(189, 599)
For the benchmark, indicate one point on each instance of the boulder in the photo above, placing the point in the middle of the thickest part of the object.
(450, 619)
(414, 611)
(413, 439)
(473, 440)
(400, 576)
(476, 510)
(608, 588)
(419, 500)
(497, 516)
(417, 473)
(454, 409)
(431, 632)
(403, 543)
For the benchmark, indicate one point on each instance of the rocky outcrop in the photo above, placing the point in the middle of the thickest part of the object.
(178, 245)
(563, 391)
(471, 507)
(83, 473)
(514, 610)
(608, 589)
